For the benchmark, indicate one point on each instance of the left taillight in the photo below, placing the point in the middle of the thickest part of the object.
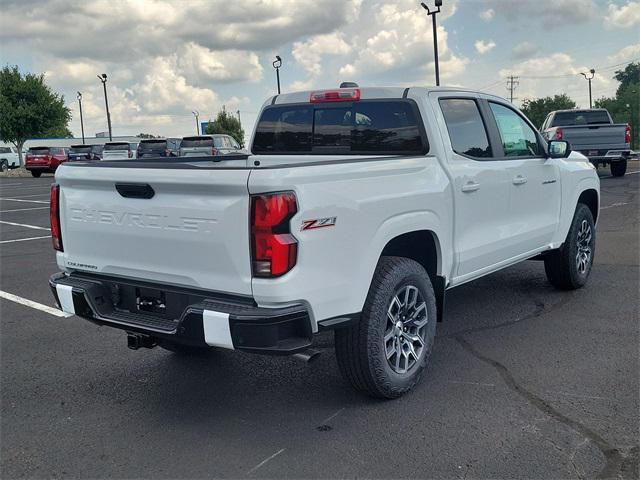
(54, 216)
(274, 250)
(627, 134)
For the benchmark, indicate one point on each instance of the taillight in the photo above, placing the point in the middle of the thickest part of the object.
(54, 217)
(167, 152)
(274, 250)
(558, 134)
(214, 151)
(130, 154)
(341, 95)
(627, 134)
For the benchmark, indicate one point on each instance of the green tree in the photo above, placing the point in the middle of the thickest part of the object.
(228, 124)
(537, 109)
(146, 135)
(29, 108)
(630, 75)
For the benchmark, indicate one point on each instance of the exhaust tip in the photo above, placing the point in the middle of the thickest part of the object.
(307, 356)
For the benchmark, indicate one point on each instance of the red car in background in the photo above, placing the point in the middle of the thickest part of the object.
(41, 160)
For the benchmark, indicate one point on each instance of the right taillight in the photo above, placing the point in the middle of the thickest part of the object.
(627, 134)
(274, 250)
(558, 134)
(214, 151)
(54, 216)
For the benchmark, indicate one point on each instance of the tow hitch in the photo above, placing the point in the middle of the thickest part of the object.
(137, 340)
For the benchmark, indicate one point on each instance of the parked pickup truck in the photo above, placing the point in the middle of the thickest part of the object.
(9, 158)
(593, 133)
(357, 210)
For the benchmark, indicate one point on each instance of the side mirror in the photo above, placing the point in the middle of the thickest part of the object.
(559, 149)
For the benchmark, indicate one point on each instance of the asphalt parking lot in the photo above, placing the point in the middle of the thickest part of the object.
(526, 381)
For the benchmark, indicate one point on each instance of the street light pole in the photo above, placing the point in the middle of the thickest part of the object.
(432, 13)
(81, 121)
(277, 64)
(197, 114)
(592, 72)
(103, 79)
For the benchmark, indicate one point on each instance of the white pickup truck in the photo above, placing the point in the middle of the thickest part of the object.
(356, 210)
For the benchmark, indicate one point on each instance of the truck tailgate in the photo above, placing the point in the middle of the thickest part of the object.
(192, 232)
(595, 136)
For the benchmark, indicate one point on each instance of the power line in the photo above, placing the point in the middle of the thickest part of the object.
(512, 83)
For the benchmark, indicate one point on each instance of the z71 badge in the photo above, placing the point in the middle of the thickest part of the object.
(318, 223)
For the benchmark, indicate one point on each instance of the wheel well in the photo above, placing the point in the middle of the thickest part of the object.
(590, 199)
(420, 246)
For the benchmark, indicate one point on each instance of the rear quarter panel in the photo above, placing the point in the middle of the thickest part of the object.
(373, 202)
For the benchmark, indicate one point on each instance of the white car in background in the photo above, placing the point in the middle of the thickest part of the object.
(9, 158)
(117, 151)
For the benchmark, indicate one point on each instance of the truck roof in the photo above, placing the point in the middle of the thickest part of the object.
(581, 110)
(371, 93)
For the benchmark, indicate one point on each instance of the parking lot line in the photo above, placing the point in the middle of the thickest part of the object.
(24, 209)
(33, 195)
(30, 303)
(35, 227)
(25, 201)
(10, 184)
(24, 239)
(265, 461)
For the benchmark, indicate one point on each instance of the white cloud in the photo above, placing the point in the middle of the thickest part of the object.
(310, 52)
(487, 15)
(552, 13)
(201, 64)
(625, 16)
(524, 50)
(483, 47)
(628, 53)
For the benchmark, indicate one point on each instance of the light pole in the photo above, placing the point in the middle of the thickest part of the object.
(239, 121)
(103, 79)
(81, 121)
(277, 64)
(438, 3)
(196, 114)
(592, 72)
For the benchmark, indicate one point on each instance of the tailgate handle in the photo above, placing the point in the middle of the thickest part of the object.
(135, 190)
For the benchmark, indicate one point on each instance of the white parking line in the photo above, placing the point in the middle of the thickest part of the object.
(25, 201)
(30, 303)
(24, 239)
(24, 209)
(265, 461)
(29, 196)
(10, 184)
(35, 227)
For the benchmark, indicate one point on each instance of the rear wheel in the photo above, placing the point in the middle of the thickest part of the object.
(385, 353)
(4, 166)
(619, 168)
(568, 268)
(36, 174)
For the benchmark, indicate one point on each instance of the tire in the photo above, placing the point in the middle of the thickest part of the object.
(4, 166)
(184, 350)
(363, 349)
(36, 174)
(619, 168)
(568, 268)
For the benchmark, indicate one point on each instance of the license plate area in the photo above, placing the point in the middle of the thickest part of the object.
(593, 153)
(150, 301)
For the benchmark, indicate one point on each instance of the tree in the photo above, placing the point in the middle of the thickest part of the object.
(538, 109)
(146, 135)
(228, 124)
(630, 75)
(29, 108)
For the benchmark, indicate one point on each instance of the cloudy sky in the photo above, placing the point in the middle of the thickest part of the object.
(167, 58)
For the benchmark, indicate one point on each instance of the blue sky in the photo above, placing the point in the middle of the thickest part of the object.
(167, 58)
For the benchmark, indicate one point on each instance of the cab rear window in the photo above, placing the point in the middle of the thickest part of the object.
(189, 142)
(152, 145)
(375, 127)
(588, 117)
(80, 149)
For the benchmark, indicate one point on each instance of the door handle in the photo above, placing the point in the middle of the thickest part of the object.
(470, 187)
(519, 180)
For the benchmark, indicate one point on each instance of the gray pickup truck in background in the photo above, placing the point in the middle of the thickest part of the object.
(592, 133)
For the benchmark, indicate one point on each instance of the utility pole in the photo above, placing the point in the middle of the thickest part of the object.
(432, 13)
(589, 78)
(277, 63)
(512, 83)
(81, 121)
(196, 114)
(103, 79)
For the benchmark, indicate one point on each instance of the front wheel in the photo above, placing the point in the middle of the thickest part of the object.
(385, 353)
(35, 174)
(4, 166)
(568, 268)
(619, 168)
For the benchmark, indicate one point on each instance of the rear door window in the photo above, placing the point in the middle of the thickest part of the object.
(375, 127)
(466, 128)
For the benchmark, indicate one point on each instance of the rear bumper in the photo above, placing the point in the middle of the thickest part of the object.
(606, 155)
(40, 168)
(191, 317)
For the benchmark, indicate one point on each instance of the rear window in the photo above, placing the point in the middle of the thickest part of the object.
(580, 118)
(57, 151)
(80, 149)
(117, 146)
(97, 148)
(374, 127)
(39, 150)
(150, 145)
(188, 142)
(5, 150)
